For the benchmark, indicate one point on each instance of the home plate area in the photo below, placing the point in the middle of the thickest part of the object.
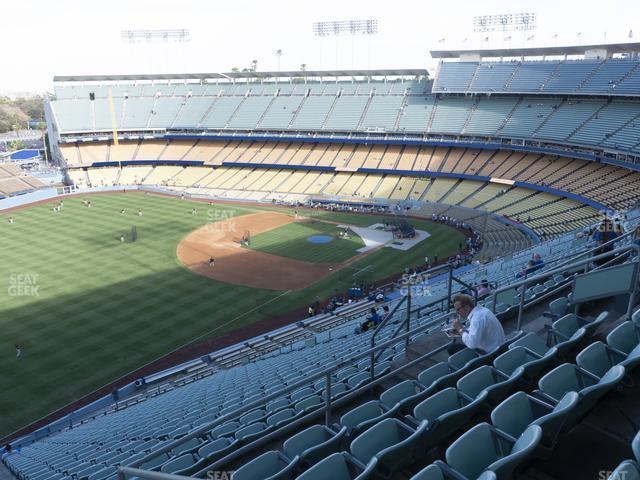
(378, 234)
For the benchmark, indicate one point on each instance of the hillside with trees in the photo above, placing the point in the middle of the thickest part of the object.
(15, 114)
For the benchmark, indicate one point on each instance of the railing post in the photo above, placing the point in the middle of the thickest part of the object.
(632, 293)
(327, 411)
(449, 290)
(408, 323)
(523, 289)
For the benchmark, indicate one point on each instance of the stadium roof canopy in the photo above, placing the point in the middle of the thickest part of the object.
(609, 48)
(408, 72)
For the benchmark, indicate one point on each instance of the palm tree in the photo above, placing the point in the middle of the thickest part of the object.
(254, 65)
(278, 54)
(303, 67)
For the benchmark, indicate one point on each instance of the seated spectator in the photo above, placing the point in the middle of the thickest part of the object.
(374, 317)
(526, 270)
(538, 263)
(484, 289)
(484, 333)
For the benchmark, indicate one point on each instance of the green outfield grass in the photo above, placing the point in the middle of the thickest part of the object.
(291, 241)
(87, 308)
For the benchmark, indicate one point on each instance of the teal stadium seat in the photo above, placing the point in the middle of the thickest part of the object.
(271, 465)
(405, 395)
(598, 358)
(313, 444)
(445, 412)
(358, 419)
(521, 357)
(486, 448)
(520, 410)
(488, 379)
(392, 442)
(339, 466)
(567, 378)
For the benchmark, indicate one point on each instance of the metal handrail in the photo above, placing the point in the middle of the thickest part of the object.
(593, 249)
(536, 278)
(315, 413)
(326, 372)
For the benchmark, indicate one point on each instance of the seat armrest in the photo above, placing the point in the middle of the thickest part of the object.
(449, 472)
(504, 435)
(544, 397)
(587, 374)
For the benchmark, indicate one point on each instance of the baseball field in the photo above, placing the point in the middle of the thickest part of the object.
(92, 293)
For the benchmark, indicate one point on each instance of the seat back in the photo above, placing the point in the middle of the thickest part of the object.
(595, 359)
(281, 416)
(383, 435)
(269, 465)
(533, 342)
(476, 381)
(215, 449)
(309, 437)
(514, 414)
(521, 450)
(179, 463)
(432, 374)
(438, 404)
(511, 359)
(559, 381)
(473, 451)
(397, 456)
(431, 472)
(397, 393)
(445, 376)
(449, 422)
(251, 417)
(559, 306)
(460, 359)
(335, 467)
(568, 325)
(623, 337)
(635, 446)
(627, 470)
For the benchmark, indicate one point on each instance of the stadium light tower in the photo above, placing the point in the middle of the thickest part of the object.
(181, 35)
(340, 27)
(505, 22)
(352, 28)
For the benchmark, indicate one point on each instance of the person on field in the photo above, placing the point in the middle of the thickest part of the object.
(212, 262)
(18, 350)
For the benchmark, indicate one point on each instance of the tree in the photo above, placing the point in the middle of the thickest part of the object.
(303, 67)
(17, 145)
(235, 69)
(278, 54)
(254, 65)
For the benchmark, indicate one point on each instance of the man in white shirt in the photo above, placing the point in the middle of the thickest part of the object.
(484, 333)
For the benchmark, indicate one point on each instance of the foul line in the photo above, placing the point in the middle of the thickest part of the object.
(234, 319)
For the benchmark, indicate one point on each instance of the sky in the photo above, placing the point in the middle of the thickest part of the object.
(72, 37)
